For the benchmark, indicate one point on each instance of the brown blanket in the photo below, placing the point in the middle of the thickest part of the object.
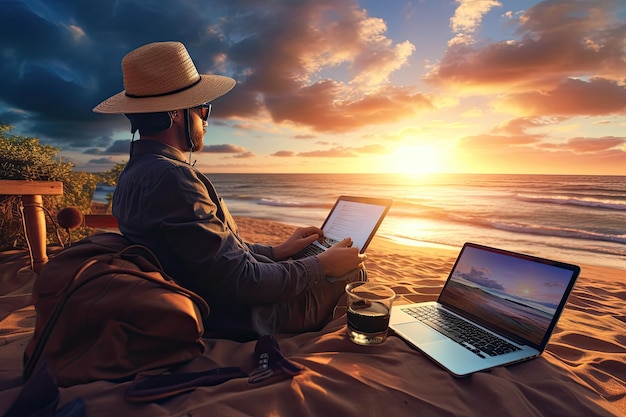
(582, 372)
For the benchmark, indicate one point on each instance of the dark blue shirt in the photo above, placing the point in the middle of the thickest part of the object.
(164, 203)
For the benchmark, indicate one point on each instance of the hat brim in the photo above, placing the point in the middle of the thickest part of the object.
(209, 88)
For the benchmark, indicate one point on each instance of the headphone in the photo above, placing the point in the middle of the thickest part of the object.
(187, 132)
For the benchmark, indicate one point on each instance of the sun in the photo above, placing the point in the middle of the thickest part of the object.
(416, 160)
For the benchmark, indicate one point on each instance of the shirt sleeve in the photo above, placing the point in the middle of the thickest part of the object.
(212, 259)
(264, 250)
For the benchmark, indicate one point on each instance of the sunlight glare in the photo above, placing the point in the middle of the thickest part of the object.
(416, 160)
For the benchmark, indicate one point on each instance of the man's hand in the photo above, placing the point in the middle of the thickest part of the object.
(341, 259)
(302, 237)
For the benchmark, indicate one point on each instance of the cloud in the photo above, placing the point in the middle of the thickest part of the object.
(557, 39)
(346, 152)
(514, 134)
(480, 277)
(494, 143)
(286, 49)
(554, 284)
(594, 145)
(338, 152)
(571, 97)
(322, 67)
(288, 44)
(103, 161)
(472, 113)
(319, 107)
(518, 126)
(284, 154)
(512, 147)
(118, 147)
(467, 18)
(238, 152)
(508, 135)
(244, 155)
(225, 148)
(372, 149)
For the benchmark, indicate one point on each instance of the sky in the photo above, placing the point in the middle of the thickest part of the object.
(506, 276)
(412, 87)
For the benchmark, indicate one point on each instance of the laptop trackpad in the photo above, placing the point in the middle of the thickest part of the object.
(418, 333)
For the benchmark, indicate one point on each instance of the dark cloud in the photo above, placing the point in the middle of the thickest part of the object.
(63, 58)
(102, 161)
(554, 284)
(284, 154)
(119, 147)
(226, 148)
(110, 147)
(480, 277)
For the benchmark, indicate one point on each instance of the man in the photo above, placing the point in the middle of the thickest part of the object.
(163, 202)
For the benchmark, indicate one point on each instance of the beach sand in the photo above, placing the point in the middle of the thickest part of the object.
(581, 373)
(590, 338)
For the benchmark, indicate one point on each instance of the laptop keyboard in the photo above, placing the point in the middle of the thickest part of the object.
(313, 250)
(471, 337)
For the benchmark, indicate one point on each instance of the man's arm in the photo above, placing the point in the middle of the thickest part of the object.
(219, 262)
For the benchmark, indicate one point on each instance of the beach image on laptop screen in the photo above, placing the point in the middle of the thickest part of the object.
(508, 293)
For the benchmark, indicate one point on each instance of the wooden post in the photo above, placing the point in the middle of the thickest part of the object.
(35, 221)
(34, 215)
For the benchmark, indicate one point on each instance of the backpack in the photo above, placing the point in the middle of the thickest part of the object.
(105, 310)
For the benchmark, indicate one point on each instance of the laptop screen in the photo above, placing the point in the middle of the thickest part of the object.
(515, 295)
(357, 218)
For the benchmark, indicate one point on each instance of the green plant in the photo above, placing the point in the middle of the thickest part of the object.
(25, 158)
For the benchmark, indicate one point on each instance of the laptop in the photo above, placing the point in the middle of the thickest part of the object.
(354, 217)
(496, 308)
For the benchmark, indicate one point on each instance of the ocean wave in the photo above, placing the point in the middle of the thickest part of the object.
(288, 203)
(527, 229)
(568, 233)
(526, 245)
(574, 201)
(239, 197)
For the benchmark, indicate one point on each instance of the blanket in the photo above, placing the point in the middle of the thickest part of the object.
(581, 373)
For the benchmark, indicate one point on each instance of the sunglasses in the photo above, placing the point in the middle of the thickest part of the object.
(205, 110)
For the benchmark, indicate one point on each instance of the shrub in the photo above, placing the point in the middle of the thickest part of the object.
(24, 158)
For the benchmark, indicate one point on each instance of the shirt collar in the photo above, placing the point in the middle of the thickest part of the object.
(146, 146)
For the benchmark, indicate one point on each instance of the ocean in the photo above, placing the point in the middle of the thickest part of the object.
(576, 219)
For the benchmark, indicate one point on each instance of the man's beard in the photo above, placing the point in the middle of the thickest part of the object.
(197, 139)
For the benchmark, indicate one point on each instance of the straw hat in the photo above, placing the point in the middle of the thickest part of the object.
(162, 77)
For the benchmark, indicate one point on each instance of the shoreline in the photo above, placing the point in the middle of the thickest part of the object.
(404, 265)
(571, 255)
